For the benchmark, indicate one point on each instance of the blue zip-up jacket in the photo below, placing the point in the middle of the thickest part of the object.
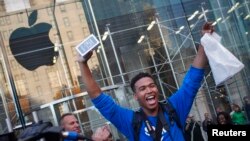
(181, 100)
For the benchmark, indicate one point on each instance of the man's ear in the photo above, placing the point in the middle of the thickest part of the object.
(135, 97)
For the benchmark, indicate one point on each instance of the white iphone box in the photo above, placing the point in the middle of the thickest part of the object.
(87, 45)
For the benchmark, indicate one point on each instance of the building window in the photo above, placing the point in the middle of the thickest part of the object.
(23, 77)
(70, 35)
(62, 8)
(19, 18)
(8, 51)
(13, 64)
(73, 49)
(85, 31)
(82, 18)
(78, 5)
(66, 21)
(7, 20)
(2, 22)
(17, 77)
(35, 75)
(49, 11)
(21, 85)
(77, 67)
(5, 35)
(53, 79)
(39, 90)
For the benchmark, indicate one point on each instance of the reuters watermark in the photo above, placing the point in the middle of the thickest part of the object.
(226, 131)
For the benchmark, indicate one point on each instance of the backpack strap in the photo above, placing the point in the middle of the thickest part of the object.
(137, 123)
(148, 125)
(168, 107)
(161, 123)
(162, 118)
(140, 116)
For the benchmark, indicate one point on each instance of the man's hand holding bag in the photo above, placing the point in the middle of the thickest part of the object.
(223, 63)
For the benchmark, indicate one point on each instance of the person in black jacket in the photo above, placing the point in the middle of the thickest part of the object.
(246, 107)
(207, 121)
(193, 130)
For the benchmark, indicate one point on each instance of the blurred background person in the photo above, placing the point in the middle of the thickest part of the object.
(206, 122)
(218, 110)
(193, 129)
(69, 122)
(224, 118)
(246, 107)
(102, 134)
(238, 116)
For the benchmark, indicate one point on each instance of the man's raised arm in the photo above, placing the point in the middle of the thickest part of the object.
(91, 85)
(200, 60)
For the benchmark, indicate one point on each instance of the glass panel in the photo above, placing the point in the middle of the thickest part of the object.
(41, 57)
(30, 45)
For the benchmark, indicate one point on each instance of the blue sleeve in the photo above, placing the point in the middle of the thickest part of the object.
(183, 99)
(119, 116)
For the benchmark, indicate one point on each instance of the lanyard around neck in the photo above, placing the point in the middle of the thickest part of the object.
(161, 122)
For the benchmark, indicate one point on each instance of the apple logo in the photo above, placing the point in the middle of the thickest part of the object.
(32, 46)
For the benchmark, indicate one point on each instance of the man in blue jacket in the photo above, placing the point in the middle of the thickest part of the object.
(147, 94)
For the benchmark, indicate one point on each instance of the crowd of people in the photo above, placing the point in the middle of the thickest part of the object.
(197, 130)
(237, 116)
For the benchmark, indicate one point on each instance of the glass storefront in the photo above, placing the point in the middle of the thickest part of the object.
(38, 57)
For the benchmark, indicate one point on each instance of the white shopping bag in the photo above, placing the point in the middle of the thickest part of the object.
(223, 63)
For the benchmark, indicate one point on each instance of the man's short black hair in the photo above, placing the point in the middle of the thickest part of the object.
(138, 77)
